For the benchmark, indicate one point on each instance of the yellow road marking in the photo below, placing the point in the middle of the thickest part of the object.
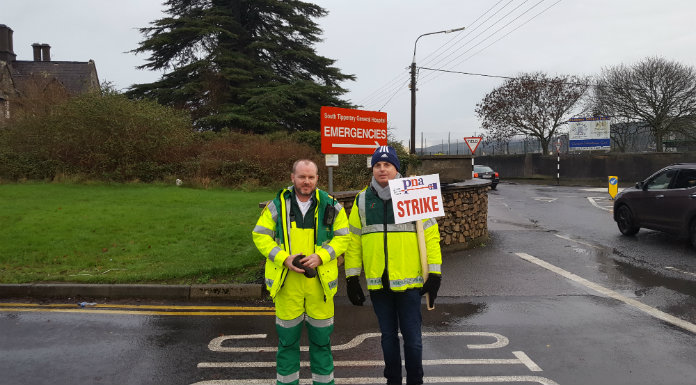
(130, 309)
(107, 306)
(138, 312)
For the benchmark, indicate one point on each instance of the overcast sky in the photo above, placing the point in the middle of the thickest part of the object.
(374, 40)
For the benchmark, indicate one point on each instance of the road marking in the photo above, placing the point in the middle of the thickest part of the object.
(612, 294)
(216, 344)
(370, 380)
(595, 204)
(544, 199)
(599, 189)
(107, 306)
(680, 271)
(527, 361)
(136, 312)
(576, 241)
(124, 309)
(522, 359)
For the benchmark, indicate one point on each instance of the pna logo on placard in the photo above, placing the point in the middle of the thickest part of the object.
(414, 184)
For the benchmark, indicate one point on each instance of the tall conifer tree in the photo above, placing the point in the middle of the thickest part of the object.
(241, 64)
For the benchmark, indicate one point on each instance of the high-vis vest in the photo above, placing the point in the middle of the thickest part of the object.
(377, 243)
(272, 236)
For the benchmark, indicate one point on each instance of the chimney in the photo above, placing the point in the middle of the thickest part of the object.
(6, 50)
(37, 51)
(46, 52)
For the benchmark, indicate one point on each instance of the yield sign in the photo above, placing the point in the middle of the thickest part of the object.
(473, 143)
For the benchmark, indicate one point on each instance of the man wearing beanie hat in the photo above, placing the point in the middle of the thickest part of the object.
(388, 252)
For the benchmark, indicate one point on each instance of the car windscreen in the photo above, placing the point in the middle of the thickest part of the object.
(482, 169)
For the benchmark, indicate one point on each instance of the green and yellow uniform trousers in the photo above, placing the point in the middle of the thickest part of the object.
(302, 302)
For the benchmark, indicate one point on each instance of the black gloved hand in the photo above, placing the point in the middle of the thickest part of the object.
(355, 293)
(308, 271)
(431, 286)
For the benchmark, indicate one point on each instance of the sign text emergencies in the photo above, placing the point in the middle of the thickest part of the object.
(348, 131)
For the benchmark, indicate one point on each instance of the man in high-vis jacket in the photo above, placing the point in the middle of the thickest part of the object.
(389, 255)
(307, 226)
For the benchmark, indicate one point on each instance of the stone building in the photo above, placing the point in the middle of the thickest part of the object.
(23, 82)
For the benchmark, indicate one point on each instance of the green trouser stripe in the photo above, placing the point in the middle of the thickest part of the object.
(288, 356)
(320, 359)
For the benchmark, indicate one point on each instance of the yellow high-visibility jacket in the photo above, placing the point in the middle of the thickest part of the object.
(377, 243)
(277, 236)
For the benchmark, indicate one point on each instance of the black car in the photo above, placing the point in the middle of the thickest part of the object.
(665, 201)
(485, 172)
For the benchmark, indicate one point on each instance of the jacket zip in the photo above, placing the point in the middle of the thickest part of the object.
(386, 249)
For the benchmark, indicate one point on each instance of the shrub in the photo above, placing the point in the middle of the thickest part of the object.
(103, 136)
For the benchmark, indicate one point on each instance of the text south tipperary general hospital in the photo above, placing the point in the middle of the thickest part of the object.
(354, 118)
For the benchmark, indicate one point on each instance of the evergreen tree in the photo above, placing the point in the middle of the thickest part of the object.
(243, 64)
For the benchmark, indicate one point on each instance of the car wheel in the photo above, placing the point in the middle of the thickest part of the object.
(624, 219)
(692, 233)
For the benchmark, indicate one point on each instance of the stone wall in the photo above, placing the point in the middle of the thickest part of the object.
(466, 214)
(629, 167)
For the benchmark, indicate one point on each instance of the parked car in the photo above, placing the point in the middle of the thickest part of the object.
(665, 201)
(485, 172)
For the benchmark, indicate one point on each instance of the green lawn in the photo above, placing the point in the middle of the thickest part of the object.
(127, 234)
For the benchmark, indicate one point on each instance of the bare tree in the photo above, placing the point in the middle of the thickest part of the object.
(658, 92)
(532, 104)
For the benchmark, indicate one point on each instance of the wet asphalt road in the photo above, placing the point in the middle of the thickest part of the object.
(556, 297)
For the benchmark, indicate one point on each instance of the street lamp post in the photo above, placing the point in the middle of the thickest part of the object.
(413, 86)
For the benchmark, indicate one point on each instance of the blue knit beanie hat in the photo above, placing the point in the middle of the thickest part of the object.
(386, 154)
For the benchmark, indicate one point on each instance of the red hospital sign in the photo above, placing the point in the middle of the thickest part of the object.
(348, 131)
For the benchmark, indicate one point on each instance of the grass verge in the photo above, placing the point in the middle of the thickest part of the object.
(130, 233)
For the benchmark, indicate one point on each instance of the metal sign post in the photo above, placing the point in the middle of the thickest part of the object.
(331, 162)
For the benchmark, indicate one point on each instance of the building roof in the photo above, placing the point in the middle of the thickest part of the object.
(76, 77)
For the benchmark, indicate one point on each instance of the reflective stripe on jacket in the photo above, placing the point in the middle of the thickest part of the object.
(276, 237)
(377, 242)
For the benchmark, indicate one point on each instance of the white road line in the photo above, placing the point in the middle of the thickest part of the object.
(216, 344)
(527, 361)
(522, 359)
(576, 241)
(545, 199)
(592, 200)
(612, 294)
(380, 380)
(680, 271)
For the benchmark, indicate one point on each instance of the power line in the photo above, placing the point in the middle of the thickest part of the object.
(494, 33)
(502, 37)
(506, 77)
(392, 97)
(392, 87)
(468, 30)
(471, 30)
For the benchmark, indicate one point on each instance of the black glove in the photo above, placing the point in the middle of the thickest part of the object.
(355, 293)
(431, 286)
(309, 272)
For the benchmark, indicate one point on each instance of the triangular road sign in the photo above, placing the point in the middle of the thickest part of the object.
(473, 143)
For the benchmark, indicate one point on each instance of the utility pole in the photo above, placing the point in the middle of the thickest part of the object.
(412, 150)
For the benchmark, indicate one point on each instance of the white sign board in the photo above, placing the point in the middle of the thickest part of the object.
(589, 134)
(416, 197)
(331, 160)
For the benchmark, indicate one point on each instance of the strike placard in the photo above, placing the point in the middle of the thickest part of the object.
(349, 131)
(417, 197)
